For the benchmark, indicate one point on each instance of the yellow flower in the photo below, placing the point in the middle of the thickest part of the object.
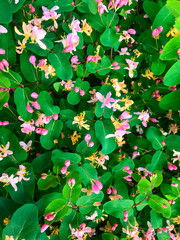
(74, 137)
(176, 220)
(173, 32)
(6, 221)
(148, 74)
(86, 27)
(9, 238)
(80, 121)
(137, 53)
(127, 103)
(118, 86)
(48, 69)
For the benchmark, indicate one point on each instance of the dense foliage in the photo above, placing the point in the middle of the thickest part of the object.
(89, 110)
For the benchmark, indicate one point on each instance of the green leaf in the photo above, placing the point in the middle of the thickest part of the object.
(101, 131)
(64, 6)
(42, 163)
(109, 236)
(59, 207)
(7, 207)
(92, 5)
(87, 172)
(4, 81)
(14, 78)
(144, 186)
(155, 136)
(105, 66)
(16, 6)
(172, 77)
(46, 103)
(23, 224)
(21, 98)
(158, 67)
(156, 203)
(61, 64)
(44, 184)
(117, 207)
(158, 161)
(156, 220)
(126, 162)
(54, 130)
(27, 68)
(4, 97)
(170, 49)
(165, 19)
(138, 199)
(151, 9)
(173, 142)
(171, 101)
(5, 12)
(148, 42)
(110, 38)
(59, 157)
(156, 178)
(174, 7)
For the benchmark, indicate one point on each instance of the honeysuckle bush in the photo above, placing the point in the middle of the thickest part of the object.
(89, 119)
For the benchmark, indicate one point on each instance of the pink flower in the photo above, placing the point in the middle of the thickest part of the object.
(109, 190)
(67, 163)
(131, 31)
(74, 26)
(76, 89)
(32, 9)
(4, 151)
(143, 116)
(124, 51)
(29, 109)
(174, 184)
(92, 217)
(9, 180)
(49, 216)
(43, 175)
(26, 147)
(2, 51)
(64, 170)
(82, 92)
(96, 186)
(44, 227)
(156, 32)
(132, 67)
(36, 105)
(106, 101)
(3, 29)
(21, 173)
(27, 127)
(172, 167)
(71, 42)
(125, 115)
(178, 52)
(87, 138)
(101, 8)
(34, 95)
(32, 60)
(55, 116)
(115, 66)
(71, 182)
(74, 60)
(38, 35)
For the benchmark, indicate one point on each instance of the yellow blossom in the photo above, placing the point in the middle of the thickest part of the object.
(127, 103)
(6, 221)
(173, 128)
(9, 238)
(74, 137)
(169, 114)
(118, 86)
(21, 47)
(173, 32)
(86, 27)
(80, 121)
(176, 220)
(137, 53)
(159, 99)
(55, 230)
(148, 74)
(98, 160)
(48, 69)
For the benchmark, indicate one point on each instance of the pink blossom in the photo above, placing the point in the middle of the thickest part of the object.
(27, 127)
(74, 60)
(41, 63)
(115, 66)
(172, 167)
(26, 147)
(64, 170)
(36, 105)
(101, 8)
(21, 173)
(156, 32)
(82, 92)
(174, 184)
(125, 115)
(49, 216)
(44, 227)
(71, 42)
(132, 66)
(106, 101)
(32, 60)
(128, 178)
(29, 109)
(74, 26)
(32, 9)
(71, 182)
(43, 175)
(3, 29)
(131, 31)
(87, 138)
(109, 190)
(124, 51)
(91, 144)
(67, 163)
(51, 14)
(76, 89)
(94, 59)
(143, 116)
(55, 116)
(42, 131)
(2, 51)
(96, 186)
(92, 217)
(34, 95)
(38, 35)
(4, 151)
(9, 180)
